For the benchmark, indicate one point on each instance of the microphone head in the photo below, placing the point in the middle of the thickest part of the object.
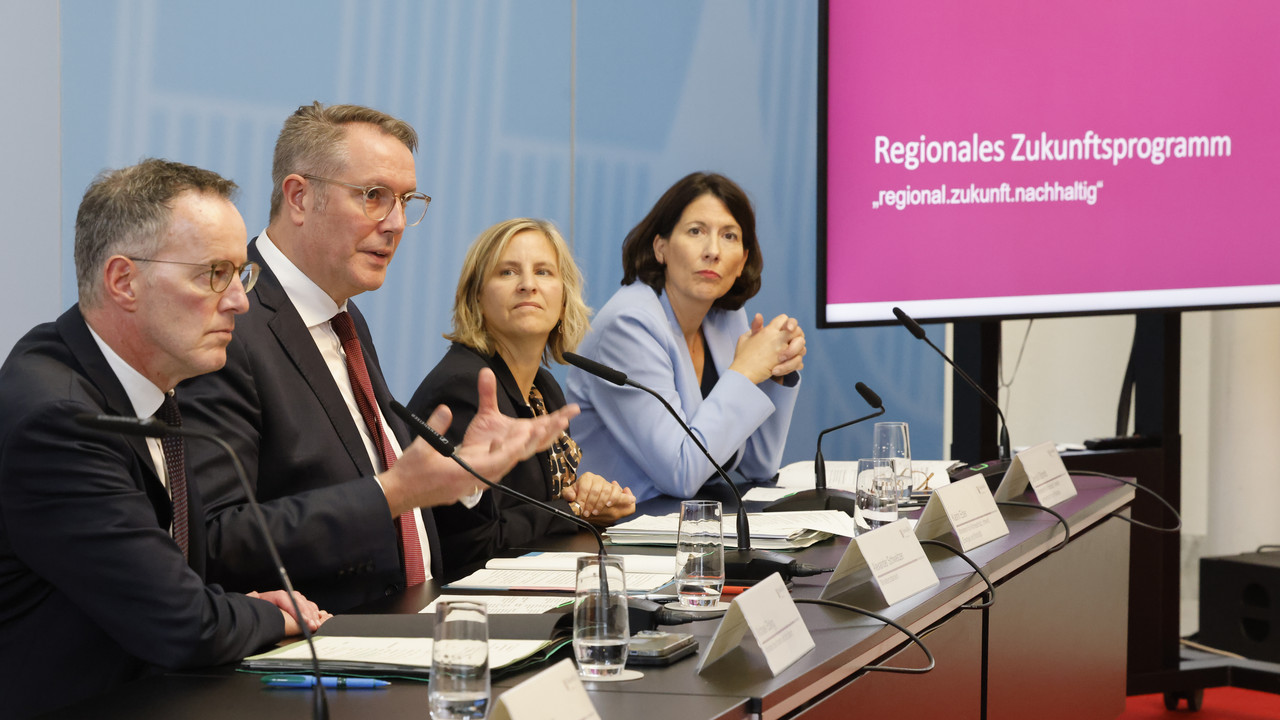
(869, 395)
(910, 324)
(125, 425)
(422, 429)
(604, 372)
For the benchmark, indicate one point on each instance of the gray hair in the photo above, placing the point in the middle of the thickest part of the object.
(127, 211)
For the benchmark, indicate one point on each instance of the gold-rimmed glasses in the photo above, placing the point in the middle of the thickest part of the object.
(379, 201)
(220, 273)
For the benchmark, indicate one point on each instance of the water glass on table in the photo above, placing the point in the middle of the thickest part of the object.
(700, 553)
(892, 441)
(459, 687)
(877, 494)
(600, 624)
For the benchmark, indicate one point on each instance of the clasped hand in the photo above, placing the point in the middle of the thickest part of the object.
(770, 351)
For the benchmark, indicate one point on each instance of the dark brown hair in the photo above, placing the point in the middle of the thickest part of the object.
(639, 262)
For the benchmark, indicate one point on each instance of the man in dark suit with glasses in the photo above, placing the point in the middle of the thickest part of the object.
(302, 397)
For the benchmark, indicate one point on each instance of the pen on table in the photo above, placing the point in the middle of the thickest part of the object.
(329, 681)
(733, 589)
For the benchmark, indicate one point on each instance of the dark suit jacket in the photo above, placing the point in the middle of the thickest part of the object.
(93, 590)
(470, 536)
(277, 405)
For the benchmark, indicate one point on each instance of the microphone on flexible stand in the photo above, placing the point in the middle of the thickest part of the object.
(820, 498)
(744, 566)
(644, 614)
(151, 427)
(992, 470)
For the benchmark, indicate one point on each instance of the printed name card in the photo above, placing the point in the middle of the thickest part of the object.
(892, 555)
(556, 693)
(966, 508)
(769, 613)
(1041, 467)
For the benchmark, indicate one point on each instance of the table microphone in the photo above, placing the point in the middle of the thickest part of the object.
(151, 427)
(993, 470)
(743, 566)
(820, 498)
(644, 614)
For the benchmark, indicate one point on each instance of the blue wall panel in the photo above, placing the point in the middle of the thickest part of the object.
(663, 88)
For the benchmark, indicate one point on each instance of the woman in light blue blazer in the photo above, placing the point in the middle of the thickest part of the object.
(677, 326)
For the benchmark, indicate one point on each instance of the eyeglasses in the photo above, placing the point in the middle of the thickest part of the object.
(220, 273)
(380, 201)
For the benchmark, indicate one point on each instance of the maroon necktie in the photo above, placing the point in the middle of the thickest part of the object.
(175, 469)
(406, 524)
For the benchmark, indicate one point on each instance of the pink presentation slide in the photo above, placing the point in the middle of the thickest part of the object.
(1104, 149)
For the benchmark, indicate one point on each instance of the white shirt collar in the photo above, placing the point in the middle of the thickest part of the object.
(312, 303)
(143, 394)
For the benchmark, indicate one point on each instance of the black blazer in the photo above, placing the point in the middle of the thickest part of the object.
(93, 590)
(470, 536)
(277, 405)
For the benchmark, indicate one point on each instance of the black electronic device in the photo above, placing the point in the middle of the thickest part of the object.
(658, 647)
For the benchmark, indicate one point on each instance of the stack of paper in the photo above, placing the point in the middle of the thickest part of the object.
(769, 531)
(558, 571)
(379, 655)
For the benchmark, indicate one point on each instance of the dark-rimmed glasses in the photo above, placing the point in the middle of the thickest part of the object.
(379, 201)
(220, 273)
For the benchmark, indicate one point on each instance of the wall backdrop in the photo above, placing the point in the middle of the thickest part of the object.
(580, 112)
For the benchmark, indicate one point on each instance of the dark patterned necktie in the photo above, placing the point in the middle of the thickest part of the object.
(406, 524)
(175, 468)
(564, 455)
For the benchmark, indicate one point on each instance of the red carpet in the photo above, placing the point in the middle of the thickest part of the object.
(1219, 704)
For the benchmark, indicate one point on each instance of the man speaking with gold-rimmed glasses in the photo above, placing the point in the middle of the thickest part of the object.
(302, 397)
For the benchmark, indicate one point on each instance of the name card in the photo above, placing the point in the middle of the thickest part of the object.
(892, 556)
(767, 611)
(965, 508)
(1041, 467)
(556, 693)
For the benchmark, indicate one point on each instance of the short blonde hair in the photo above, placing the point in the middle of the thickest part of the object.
(468, 315)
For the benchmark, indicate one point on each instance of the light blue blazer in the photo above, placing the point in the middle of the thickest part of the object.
(627, 436)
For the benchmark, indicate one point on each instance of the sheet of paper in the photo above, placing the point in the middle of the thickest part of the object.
(410, 652)
(763, 525)
(561, 580)
(842, 475)
(507, 604)
(764, 494)
(556, 693)
(569, 561)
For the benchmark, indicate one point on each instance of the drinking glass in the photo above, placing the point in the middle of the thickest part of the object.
(877, 495)
(892, 441)
(600, 630)
(459, 688)
(700, 553)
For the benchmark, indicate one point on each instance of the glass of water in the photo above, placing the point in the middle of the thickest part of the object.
(892, 441)
(700, 553)
(600, 629)
(877, 495)
(459, 688)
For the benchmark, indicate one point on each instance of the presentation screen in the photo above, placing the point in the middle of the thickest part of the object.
(1003, 158)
